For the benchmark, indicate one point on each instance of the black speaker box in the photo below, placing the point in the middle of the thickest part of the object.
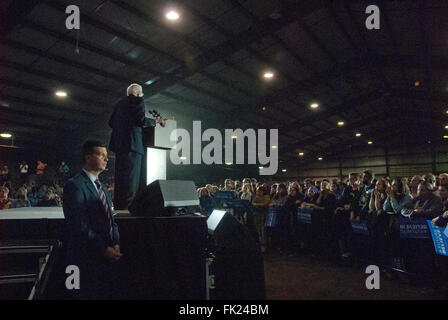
(228, 232)
(238, 264)
(159, 198)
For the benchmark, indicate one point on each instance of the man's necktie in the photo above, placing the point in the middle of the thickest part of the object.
(106, 206)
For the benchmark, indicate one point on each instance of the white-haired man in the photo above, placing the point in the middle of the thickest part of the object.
(127, 121)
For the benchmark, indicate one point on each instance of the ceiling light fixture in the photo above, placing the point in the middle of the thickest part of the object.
(314, 105)
(172, 15)
(61, 94)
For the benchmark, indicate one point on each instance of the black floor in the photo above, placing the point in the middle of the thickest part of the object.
(304, 277)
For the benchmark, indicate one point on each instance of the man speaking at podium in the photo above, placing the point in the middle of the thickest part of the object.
(127, 121)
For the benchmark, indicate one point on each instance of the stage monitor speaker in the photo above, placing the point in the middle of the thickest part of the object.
(228, 232)
(159, 198)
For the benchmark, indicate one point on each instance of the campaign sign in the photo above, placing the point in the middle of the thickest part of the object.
(224, 195)
(272, 216)
(304, 215)
(360, 227)
(439, 238)
(414, 229)
(241, 205)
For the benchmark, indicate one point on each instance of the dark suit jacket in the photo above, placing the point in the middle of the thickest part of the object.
(87, 223)
(126, 122)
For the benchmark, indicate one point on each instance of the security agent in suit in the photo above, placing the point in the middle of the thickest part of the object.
(127, 121)
(93, 241)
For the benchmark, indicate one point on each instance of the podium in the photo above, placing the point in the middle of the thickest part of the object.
(157, 143)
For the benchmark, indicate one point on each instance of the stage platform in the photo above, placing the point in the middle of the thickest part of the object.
(45, 213)
(32, 213)
(164, 257)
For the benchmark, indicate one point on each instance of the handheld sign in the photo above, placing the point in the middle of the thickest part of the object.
(439, 238)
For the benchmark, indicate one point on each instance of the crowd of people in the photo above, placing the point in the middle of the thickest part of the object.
(32, 188)
(335, 205)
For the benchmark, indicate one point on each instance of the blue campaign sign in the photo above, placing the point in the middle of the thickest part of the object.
(446, 232)
(224, 195)
(439, 238)
(414, 229)
(272, 216)
(304, 215)
(242, 205)
(360, 227)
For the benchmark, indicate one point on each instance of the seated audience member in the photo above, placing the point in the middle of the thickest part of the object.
(5, 202)
(22, 199)
(42, 190)
(40, 168)
(23, 168)
(4, 174)
(49, 200)
(413, 185)
(206, 202)
(261, 202)
(33, 196)
(425, 205)
(63, 172)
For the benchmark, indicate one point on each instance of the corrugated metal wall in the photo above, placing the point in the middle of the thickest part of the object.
(403, 162)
